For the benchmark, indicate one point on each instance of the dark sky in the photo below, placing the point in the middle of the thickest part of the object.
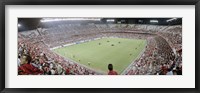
(28, 23)
(33, 23)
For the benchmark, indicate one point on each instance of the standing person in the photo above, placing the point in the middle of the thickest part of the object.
(111, 71)
(170, 72)
(18, 61)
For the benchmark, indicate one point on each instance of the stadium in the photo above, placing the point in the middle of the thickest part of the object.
(99, 46)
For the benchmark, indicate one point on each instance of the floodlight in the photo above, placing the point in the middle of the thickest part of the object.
(171, 19)
(153, 21)
(110, 20)
(140, 21)
(119, 22)
(19, 25)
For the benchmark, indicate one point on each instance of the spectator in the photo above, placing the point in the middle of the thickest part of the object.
(27, 68)
(111, 71)
(169, 72)
(18, 61)
(178, 71)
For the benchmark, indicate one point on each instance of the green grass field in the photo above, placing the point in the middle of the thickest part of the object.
(99, 56)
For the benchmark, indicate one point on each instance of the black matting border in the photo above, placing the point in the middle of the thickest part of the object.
(3, 3)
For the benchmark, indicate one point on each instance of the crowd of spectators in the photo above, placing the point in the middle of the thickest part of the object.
(35, 56)
(173, 37)
(158, 58)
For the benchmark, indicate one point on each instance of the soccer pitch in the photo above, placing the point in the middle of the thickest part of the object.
(97, 54)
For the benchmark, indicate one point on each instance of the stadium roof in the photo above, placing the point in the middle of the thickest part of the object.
(33, 23)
